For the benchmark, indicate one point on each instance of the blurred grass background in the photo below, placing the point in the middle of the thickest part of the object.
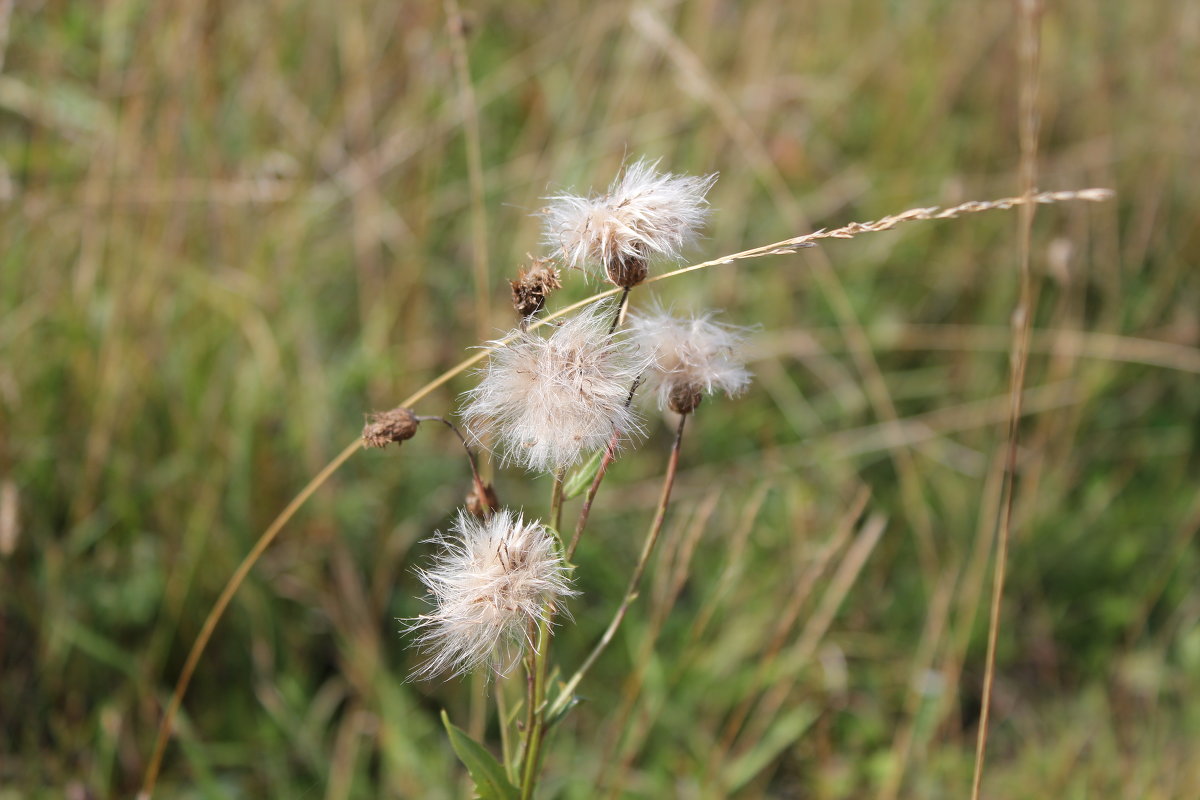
(230, 229)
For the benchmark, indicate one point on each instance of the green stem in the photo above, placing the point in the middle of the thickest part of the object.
(536, 731)
(586, 509)
(502, 712)
(537, 666)
(635, 580)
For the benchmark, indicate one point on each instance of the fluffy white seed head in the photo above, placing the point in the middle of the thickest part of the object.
(546, 402)
(692, 356)
(645, 214)
(490, 585)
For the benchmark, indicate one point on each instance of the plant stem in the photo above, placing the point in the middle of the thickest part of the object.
(530, 669)
(620, 310)
(479, 485)
(536, 730)
(536, 667)
(556, 500)
(609, 454)
(586, 509)
(635, 580)
(502, 712)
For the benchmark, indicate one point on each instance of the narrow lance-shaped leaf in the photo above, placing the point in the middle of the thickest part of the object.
(490, 781)
(581, 478)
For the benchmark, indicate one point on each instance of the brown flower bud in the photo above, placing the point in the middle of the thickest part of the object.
(384, 427)
(628, 271)
(685, 397)
(533, 285)
(482, 503)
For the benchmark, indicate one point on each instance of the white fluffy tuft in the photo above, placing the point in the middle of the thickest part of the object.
(493, 581)
(645, 214)
(547, 402)
(693, 352)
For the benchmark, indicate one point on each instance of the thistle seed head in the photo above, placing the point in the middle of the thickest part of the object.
(692, 356)
(645, 215)
(491, 583)
(546, 402)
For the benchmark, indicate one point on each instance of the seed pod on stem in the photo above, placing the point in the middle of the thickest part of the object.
(385, 427)
(533, 285)
(481, 501)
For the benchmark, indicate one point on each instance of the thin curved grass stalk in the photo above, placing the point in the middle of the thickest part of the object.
(1028, 46)
(785, 246)
(218, 609)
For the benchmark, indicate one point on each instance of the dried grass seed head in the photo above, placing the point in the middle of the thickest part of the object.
(646, 214)
(547, 401)
(692, 356)
(491, 582)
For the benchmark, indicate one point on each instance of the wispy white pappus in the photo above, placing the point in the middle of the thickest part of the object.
(692, 356)
(491, 583)
(549, 401)
(645, 214)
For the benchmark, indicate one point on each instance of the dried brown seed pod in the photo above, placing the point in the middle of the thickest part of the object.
(627, 271)
(533, 285)
(685, 397)
(482, 500)
(385, 427)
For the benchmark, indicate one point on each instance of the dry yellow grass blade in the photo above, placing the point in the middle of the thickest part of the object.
(1028, 54)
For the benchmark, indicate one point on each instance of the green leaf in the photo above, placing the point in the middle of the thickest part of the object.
(558, 539)
(490, 781)
(562, 711)
(581, 479)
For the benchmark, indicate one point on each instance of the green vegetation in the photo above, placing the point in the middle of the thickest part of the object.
(230, 229)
